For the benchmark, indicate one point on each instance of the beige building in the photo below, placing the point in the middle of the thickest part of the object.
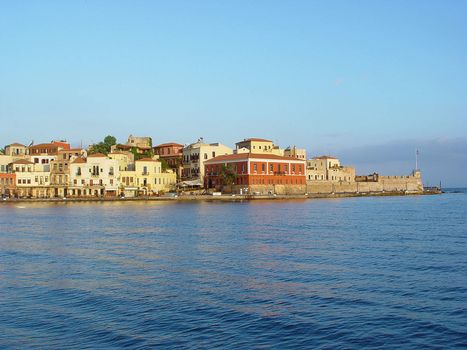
(95, 176)
(257, 145)
(327, 168)
(4, 161)
(16, 150)
(139, 141)
(141, 144)
(60, 170)
(196, 154)
(126, 160)
(146, 179)
(31, 180)
(294, 152)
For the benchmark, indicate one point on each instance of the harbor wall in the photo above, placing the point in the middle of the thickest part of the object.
(408, 184)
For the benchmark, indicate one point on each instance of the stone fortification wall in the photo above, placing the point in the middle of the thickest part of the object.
(409, 184)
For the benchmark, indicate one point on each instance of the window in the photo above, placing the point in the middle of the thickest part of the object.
(213, 154)
(263, 167)
(205, 156)
(271, 168)
(255, 166)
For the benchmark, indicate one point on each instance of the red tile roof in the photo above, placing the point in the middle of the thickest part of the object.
(16, 144)
(169, 144)
(255, 139)
(22, 161)
(79, 160)
(246, 156)
(97, 155)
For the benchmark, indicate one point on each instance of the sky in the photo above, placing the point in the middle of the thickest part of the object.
(366, 81)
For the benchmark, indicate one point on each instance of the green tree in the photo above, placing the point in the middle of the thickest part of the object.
(164, 164)
(104, 146)
(228, 175)
(147, 154)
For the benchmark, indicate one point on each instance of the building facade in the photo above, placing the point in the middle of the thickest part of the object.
(327, 168)
(94, 176)
(256, 174)
(258, 145)
(147, 179)
(196, 154)
(294, 152)
(172, 153)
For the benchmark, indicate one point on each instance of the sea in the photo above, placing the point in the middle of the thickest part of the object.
(349, 273)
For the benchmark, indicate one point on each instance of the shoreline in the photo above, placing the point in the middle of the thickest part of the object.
(224, 198)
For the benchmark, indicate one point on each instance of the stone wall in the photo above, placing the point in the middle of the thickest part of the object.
(408, 184)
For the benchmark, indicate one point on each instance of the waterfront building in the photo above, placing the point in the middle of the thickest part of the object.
(125, 160)
(95, 176)
(7, 184)
(43, 154)
(32, 181)
(256, 173)
(258, 145)
(194, 157)
(4, 161)
(327, 168)
(60, 170)
(294, 152)
(172, 153)
(147, 179)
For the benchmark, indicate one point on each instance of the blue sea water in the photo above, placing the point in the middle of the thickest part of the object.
(381, 272)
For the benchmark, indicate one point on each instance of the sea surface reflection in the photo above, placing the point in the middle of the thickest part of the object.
(349, 273)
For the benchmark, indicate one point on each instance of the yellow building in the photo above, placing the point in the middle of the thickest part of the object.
(327, 168)
(125, 160)
(257, 145)
(147, 179)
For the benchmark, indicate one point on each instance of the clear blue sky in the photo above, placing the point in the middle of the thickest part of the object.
(341, 77)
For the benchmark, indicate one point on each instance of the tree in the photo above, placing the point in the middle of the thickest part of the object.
(228, 175)
(2, 150)
(104, 146)
(164, 164)
(147, 154)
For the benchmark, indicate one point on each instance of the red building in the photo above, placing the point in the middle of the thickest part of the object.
(256, 171)
(7, 184)
(51, 148)
(172, 153)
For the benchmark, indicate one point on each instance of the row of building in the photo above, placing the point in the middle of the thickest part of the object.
(136, 168)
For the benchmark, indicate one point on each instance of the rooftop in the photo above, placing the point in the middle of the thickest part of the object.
(97, 155)
(255, 139)
(169, 144)
(324, 157)
(246, 156)
(22, 161)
